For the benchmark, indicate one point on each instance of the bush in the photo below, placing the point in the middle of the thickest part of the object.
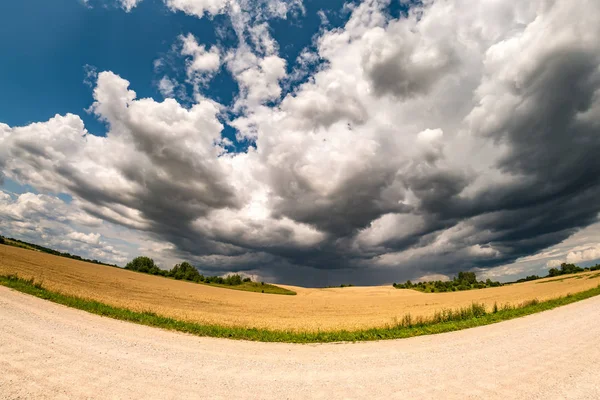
(2, 240)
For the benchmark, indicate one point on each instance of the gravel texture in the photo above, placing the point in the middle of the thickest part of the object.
(51, 351)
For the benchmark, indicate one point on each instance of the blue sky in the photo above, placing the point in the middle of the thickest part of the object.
(50, 43)
(304, 141)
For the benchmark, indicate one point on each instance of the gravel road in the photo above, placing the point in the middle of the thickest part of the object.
(51, 351)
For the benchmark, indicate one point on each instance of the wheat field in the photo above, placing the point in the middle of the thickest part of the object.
(329, 309)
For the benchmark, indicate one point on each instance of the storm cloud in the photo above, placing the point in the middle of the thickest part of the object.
(459, 135)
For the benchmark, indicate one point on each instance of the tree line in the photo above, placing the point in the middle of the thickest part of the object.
(184, 271)
(564, 269)
(464, 281)
(468, 280)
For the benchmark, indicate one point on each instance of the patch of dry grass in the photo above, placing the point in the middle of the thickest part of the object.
(349, 308)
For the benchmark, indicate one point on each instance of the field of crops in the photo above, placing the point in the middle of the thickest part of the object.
(312, 309)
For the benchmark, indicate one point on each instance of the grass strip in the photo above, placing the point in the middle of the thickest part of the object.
(255, 287)
(560, 279)
(443, 321)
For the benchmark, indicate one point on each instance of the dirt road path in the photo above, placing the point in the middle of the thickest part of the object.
(50, 351)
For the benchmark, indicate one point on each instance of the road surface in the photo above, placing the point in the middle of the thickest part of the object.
(51, 351)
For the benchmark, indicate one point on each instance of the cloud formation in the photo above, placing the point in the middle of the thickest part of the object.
(460, 135)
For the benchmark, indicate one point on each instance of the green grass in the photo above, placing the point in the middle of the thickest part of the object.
(9, 242)
(443, 321)
(559, 279)
(255, 287)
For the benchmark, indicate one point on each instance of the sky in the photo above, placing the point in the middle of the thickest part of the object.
(302, 141)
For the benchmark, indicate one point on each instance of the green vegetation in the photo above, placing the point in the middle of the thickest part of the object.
(443, 321)
(558, 279)
(565, 269)
(468, 280)
(257, 287)
(30, 246)
(343, 285)
(528, 278)
(187, 272)
(464, 281)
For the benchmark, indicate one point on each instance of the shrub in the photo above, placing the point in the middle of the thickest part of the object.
(478, 310)
(533, 302)
(407, 321)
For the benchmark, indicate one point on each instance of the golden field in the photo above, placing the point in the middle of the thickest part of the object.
(348, 308)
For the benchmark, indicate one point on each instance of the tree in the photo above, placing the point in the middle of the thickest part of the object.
(185, 271)
(2, 240)
(569, 269)
(553, 272)
(233, 280)
(143, 264)
(468, 278)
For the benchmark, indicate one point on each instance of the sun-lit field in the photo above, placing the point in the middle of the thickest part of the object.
(312, 309)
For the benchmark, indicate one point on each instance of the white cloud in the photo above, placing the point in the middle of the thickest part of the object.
(578, 254)
(198, 7)
(166, 87)
(202, 60)
(90, 238)
(589, 254)
(129, 5)
(49, 221)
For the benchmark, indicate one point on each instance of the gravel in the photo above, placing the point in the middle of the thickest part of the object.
(51, 351)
